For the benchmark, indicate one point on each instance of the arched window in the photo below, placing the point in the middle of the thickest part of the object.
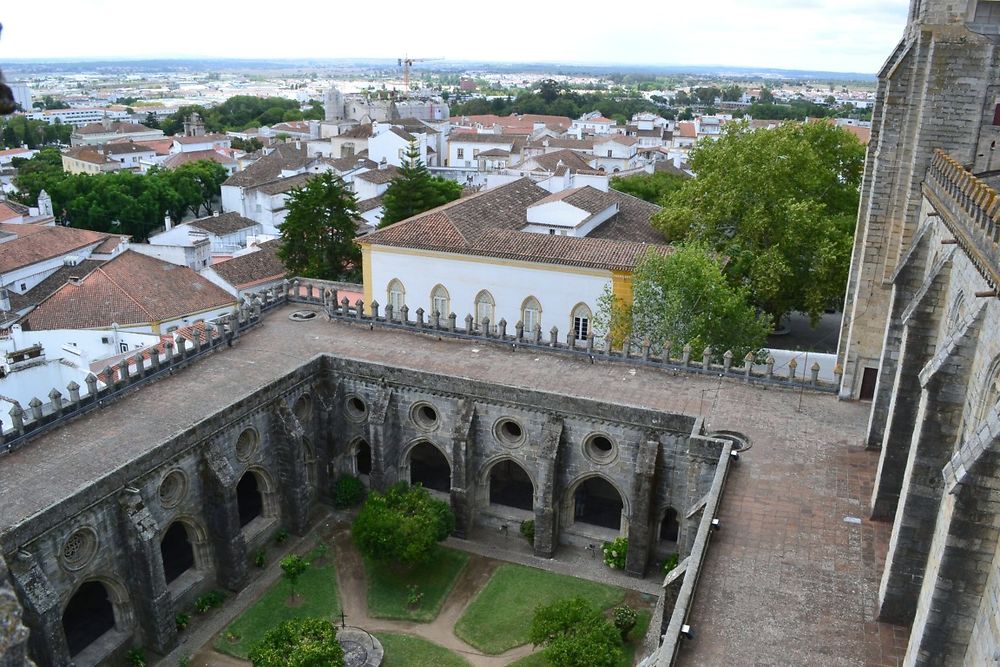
(88, 616)
(485, 308)
(991, 393)
(395, 297)
(440, 301)
(249, 499)
(581, 321)
(531, 313)
(956, 314)
(176, 551)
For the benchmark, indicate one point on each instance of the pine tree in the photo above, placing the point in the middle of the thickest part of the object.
(317, 236)
(414, 190)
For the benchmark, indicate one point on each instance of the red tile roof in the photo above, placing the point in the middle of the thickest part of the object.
(38, 243)
(253, 268)
(128, 290)
(177, 159)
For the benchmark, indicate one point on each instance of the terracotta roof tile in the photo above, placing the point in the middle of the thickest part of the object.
(177, 159)
(260, 266)
(222, 224)
(37, 243)
(269, 167)
(42, 290)
(129, 289)
(379, 176)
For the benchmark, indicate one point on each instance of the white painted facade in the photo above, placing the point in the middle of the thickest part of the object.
(466, 153)
(564, 219)
(77, 116)
(389, 146)
(188, 234)
(559, 290)
(22, 279)
(192, 252)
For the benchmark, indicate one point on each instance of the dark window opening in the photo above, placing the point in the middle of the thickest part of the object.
(868, 380)
(996, 115)
(598, 503)
(88, 616)
(363, 458)
(429, 467)
(248, 498)
(669, 527)
(511, 486)
(176, 551)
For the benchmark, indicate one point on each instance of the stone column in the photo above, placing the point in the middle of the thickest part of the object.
(382, 445)
(222, 515)
(293, 478)
(147, 583)
(463, 479)
(910, 337)
(546, 495)
(643, 491)
(13, 634)
(42, 611)
(938, 420)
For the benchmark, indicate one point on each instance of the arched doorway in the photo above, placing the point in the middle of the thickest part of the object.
(88, 616)
(511, 486)
(598, 503)
(363, 458)
(670, 527)
(249, 498)
(176, 551)
(429, 467)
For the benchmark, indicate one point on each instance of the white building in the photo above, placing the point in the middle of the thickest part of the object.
(22, 95)
(78, 117)
(226, 234)
(616, 152)
(592, 122)
(464, 147)
(390, 143)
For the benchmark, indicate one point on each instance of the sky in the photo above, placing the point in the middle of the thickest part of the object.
(825, 35)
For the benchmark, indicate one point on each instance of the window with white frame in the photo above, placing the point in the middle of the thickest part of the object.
(581, 321)
(440, 301)
(485, 308)
(396, 297)
(531, 313)
(461, 153)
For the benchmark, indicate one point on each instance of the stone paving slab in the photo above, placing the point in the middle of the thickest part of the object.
(787, 580)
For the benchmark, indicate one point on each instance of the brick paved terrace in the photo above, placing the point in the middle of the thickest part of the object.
(788, 581)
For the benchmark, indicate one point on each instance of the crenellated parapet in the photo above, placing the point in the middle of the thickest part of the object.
(970, 208)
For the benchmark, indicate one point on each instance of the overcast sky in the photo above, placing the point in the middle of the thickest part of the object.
(834, 35)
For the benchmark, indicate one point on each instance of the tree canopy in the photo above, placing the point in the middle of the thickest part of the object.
(550, 97)
(241, 112)
(120, 202)
(651, 187)
(414, 190)
(17, 131)
(301, 642)
(683, 297)
(575, 634)
(780, 205)
(402, 525)
(317, 236)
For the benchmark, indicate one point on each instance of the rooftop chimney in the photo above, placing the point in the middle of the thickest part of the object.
(168, 224)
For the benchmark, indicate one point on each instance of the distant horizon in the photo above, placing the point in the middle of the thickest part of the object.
(838, 36)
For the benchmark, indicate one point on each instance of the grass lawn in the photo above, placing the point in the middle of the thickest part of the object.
(409, 651)
(317, 594)
(628, 657)
(388, 588)
(500, 617)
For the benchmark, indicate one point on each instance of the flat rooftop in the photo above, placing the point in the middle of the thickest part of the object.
(791, 579)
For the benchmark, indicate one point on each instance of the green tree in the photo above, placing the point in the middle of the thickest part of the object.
(684, 297)
(651, 187)
(293, 566)
(152, 121)
(780, 205)
(575, 634)
(301, 642)
(402, 525)
(317, 236)
(414, 190)
(766, 96)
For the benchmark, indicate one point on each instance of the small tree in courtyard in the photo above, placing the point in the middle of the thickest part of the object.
(292, 567)
(302, 642)
(317, 236)
(402, 525)
(575, 634)
(414, 190)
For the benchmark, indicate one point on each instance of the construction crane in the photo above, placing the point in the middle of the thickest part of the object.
(406, 63)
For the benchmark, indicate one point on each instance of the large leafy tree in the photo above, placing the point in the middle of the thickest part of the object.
(301, 642)
(414, 190)
(683, 297)
(402, 525)
(651, 187)
(575, 634)
(317, 236)
(780, 205)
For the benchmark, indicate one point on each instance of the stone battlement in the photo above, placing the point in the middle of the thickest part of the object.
(970, 209)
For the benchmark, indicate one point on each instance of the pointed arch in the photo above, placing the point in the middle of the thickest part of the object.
(440, 301)
(580, 321)
(484, 307)
(507, 482)
(96, 607)
(989, 395)
(596, 500)
(395, 296)
(428, 465)
(531, 313)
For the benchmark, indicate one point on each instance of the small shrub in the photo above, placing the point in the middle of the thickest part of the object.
(415, 596)
(625, 619)
(528, 531)
(185, 661)
(209, 600)
(260, 558)
(670, 563)
(281, 536)
(319, 551)
(348, 491)
(182, 619)
(614, 553)
(137, 657)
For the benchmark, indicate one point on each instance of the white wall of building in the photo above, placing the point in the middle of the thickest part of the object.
(192, 256)
(557, 288)
(25, 278)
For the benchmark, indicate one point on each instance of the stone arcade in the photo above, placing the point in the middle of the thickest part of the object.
(105, 559)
